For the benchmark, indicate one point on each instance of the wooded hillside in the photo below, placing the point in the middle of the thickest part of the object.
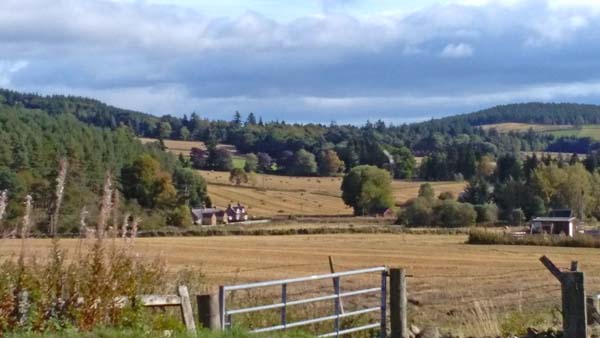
(34, 142)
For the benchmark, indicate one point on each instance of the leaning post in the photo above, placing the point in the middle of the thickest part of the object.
(186, 309)
(573, 299)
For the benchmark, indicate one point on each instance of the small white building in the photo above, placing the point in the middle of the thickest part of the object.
(554, 225)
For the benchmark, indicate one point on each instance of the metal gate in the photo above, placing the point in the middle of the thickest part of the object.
(336, 297)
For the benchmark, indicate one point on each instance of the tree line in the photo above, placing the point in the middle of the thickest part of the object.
(374, 143)
(513, 190)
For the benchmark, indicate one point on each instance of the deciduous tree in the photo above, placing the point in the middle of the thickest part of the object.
(367, 189)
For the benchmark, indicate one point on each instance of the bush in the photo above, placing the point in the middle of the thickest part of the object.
(487, 213)
(446, 195)
(517, 217)
(446, 213)
(418, 212)
(452, 214)
(180, 217)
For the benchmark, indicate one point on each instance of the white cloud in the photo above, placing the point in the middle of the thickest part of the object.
(8, 68)
(457, 51)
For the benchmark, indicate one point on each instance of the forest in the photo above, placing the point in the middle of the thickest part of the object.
(454, 143)
(46, 155)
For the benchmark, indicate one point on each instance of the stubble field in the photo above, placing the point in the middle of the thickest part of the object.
(450, 281)
(272, 195)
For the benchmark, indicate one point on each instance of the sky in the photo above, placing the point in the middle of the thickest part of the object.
(346, 61)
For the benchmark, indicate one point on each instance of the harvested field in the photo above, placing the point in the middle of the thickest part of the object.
(273, 195)
(184, 147)
(523, 127)
(449, 278)
(270, 195)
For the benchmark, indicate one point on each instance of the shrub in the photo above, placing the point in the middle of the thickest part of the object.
(446, 195)
(426, 191)
(180, 217)
(451, 213)
(418, 213)
(486, 213)
(517, 217)
(251, 164)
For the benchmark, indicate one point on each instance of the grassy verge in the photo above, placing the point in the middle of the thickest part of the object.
(303, 231)
(115, 333)
(479, 236)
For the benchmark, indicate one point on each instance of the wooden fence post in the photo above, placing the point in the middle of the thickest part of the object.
(573, 299)
(208, 311)
(398, 304)
(186, 308)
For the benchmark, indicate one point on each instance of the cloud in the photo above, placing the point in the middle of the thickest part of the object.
(457, 51)
(8, 68)
(330, 65)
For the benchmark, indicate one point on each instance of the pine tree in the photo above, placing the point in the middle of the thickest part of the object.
(251, 120)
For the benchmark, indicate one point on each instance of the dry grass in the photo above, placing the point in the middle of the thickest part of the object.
(448, 275)
(405, 190)
(523, 127)
(184, 147)
(271, 195)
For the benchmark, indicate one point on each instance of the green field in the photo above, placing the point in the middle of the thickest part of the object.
(588, 130)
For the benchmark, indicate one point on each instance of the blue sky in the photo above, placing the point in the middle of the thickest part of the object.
(304, 61)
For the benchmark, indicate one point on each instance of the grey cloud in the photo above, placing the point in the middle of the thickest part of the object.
(164, 59)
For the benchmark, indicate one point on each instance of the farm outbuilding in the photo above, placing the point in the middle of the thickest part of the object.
(554, 225)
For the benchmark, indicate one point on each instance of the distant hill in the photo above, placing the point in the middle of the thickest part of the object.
(534, 112)
(366, 144)
(87, 110)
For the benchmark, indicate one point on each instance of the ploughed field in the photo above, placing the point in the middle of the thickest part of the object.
(452, 284)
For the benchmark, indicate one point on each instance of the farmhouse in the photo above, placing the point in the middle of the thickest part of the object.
(236, 213)
(557, 222)
(209, 216)
(214, 216)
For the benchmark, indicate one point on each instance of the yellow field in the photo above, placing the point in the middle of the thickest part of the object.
(523, 127)
(184, 147)
(447, 276)
(270, 195)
